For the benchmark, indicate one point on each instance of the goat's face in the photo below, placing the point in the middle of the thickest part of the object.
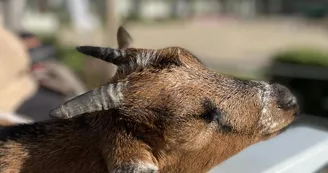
(181, 108)
(192, 106)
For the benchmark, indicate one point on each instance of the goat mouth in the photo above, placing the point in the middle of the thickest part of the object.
(297, 113)
(276, 132)
(282, 130)
(282, 127)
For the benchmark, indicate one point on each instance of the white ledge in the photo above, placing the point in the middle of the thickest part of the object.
(301, 149)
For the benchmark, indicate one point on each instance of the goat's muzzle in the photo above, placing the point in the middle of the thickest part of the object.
(285, 99)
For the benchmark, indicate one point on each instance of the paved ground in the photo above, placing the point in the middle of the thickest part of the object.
(244, 45)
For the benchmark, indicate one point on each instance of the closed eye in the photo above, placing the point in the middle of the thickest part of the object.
(211, 113)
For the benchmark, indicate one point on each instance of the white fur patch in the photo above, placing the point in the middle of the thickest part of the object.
(138, 167)
(266, 118)
(142, 60)
(144, 57)
(265, 97)
(14, 118)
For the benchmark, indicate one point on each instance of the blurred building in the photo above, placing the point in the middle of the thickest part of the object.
(154, 9)
(309, 8)
(11, 10)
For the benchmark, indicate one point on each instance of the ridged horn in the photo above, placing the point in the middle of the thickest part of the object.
(103, 98)
(130, 59)
(103, 53)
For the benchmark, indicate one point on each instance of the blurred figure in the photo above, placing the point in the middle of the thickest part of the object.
(16, 83)
(48, 71)
(28, 93)
(57, 83)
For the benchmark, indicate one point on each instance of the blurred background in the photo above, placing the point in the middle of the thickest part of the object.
(284, 41)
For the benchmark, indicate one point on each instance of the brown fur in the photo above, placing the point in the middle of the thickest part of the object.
(176, 115)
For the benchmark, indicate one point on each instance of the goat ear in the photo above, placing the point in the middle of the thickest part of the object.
(103, 98)
(124, 39)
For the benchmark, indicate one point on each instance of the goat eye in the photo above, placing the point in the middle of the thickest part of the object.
(211, 113)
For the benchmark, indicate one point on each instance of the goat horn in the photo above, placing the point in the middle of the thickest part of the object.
(129, 59)
(103, 98)
(105, 54)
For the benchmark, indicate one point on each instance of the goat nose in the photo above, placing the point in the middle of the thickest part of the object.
(285, 99)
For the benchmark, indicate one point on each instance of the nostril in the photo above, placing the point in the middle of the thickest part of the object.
(287, 103)
(285, 99)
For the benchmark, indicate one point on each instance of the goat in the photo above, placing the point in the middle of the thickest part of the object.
(163, 111)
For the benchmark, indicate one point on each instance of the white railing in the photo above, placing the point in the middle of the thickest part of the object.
(300, 149)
